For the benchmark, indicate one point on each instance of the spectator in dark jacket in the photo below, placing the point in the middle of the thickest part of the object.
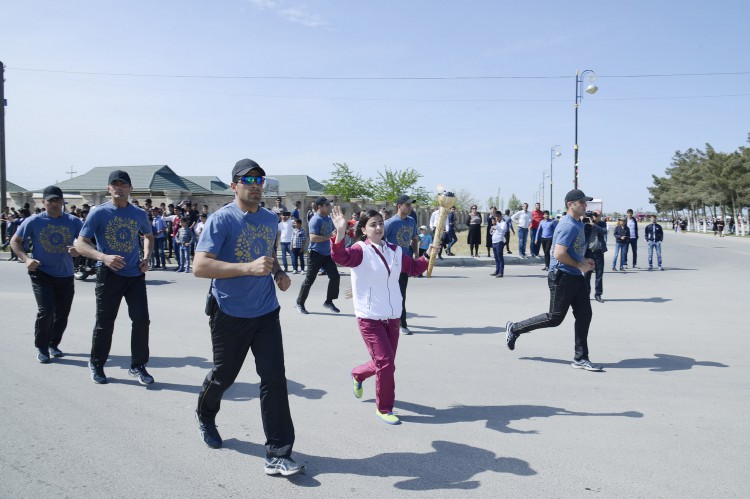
(622, 238)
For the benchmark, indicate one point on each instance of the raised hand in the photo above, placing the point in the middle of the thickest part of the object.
(339, 221)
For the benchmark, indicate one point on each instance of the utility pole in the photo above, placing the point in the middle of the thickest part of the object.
(71, 172)
(3, 180)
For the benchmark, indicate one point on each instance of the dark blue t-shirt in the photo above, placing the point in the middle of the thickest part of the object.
(116, 232)
(321, 226)
(238, 237)
(569, 233)
(51, 238)
(400, 232)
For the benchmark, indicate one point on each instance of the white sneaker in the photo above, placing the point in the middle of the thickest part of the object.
(404, 330)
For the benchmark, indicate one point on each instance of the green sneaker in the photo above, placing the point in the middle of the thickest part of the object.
(388, 417)
(357, 386)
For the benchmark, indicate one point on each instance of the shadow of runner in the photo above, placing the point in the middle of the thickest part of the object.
(655, 299)
(661, 362)
(450, 466)
(455, 331)
(497, 417)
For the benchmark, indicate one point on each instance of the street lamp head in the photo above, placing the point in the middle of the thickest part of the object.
(591, 89)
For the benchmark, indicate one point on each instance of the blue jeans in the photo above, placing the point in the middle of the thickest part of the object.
(533, 245)
(651, 246)
(157, 256)
(497, 251)
(285, 249)
(185, 257)
(522, 235)
(622, 250)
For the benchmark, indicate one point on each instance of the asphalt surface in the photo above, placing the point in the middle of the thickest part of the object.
(667, 418)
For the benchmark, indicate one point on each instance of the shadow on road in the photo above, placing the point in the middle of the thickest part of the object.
(497, 417)
(464, 462)
(660, 363)
(456, 331)
(655, 299)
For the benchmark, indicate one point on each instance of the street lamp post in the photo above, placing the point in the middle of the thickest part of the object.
(590, 89)
(554, 152)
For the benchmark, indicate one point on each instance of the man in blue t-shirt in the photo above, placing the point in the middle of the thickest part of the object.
(401, 230)
(236, 251)
(319, 257)
(566, 282)
(52, 234)
(117, 226)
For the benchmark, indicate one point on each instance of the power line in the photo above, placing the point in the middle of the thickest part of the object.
(365, 78)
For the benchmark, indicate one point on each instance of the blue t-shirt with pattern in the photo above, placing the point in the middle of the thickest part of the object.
(569, 233)
(400, 232)
(116, 232)
(321, 226)
(238, 237)
(51, 238)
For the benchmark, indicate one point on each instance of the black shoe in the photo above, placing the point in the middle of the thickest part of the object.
(55, 352)
(499, 275)
(301, 309)
(493, 274)
(42, 356)
(510, 336)
(209, 433)
(140, 372)
(545, 268)
(97, 374)
(330, 306)
(281, 465)
(599, 298)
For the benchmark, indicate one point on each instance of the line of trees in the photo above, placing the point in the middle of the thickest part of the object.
(386, 186)
(706, 182)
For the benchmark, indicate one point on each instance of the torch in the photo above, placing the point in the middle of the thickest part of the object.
(445, 201)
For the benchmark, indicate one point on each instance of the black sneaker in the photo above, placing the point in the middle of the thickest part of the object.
(330, 306)
(42, 356)
(301, 309)
(599, 298)
(510, 336)
(282, 465)
(140, 372)
(97, 374)
(209, 433)
(55, 352)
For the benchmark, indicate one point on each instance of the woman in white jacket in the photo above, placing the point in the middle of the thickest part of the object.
(376, 266)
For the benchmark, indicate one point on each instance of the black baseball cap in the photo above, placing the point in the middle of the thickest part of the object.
(403, 198)
(245, 166)
(119, 175)
(321, 201)
(577, 195)
(52, 192)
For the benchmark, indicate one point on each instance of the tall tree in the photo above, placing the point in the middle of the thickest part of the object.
(514, 204)
(346, 184)
(390, 184)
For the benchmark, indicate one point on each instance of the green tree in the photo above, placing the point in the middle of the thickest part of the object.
(514, 204)
(346, 184)
(464, 200)
(390, 184)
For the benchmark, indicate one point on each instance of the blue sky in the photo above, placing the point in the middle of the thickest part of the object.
(482, 135)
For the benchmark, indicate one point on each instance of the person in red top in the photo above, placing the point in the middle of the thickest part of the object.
(350, 227)
(536, 216)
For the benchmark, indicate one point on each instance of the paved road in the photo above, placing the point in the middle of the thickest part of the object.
(668, 418)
